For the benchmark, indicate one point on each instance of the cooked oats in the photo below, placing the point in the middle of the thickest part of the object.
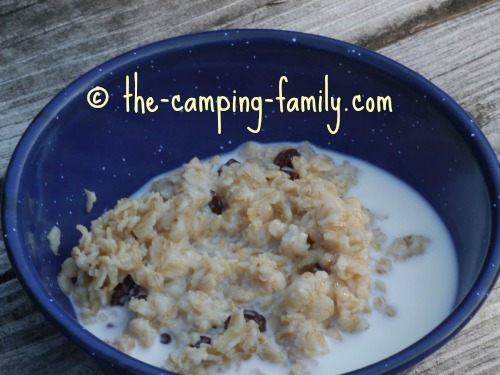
(90, 199)
(208, 244)
(54, 238)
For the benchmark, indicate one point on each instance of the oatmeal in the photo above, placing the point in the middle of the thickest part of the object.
(54, 238)
(90, 199)
(223, 261)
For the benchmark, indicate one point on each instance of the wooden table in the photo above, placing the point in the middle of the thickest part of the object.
(45, 45)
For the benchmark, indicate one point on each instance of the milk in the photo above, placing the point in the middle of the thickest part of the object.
(421, 289)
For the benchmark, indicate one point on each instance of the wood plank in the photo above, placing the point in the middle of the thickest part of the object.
(5, 268)
(15, 305)
(465, 73)
(50, 355)
(6, 272)
(13, 6)
(29, 344)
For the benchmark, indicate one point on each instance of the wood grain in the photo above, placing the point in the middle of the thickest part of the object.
(468, 72)
(44, 45)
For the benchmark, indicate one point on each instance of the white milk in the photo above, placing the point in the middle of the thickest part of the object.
(421, 289)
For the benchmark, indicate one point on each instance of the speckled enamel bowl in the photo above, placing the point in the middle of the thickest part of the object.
(427, 140)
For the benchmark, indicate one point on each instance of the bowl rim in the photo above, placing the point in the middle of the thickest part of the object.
(474, 137)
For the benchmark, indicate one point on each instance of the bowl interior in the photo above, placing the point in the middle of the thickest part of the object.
(427, 140)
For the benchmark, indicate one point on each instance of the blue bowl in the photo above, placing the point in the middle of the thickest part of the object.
(427, 140)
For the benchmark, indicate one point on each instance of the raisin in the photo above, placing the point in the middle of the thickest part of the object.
(257, 318)
(293, 175)
(216, 203)
(165, 338)
(138, 292)
(120, 296)
(315, 267)
(202, 340)
(250, 315)
(126, 290)
(284, 158)
(228, 163)
(226, 323)
(310, 241)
